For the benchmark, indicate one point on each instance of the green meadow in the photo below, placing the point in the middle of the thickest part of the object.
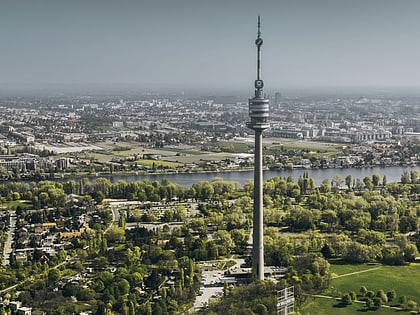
(402, 279)
(323, 306)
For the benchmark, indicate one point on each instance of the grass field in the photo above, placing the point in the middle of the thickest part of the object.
(339, 270)
(346, 278)
(322, 306)
(157, 163)
(118, 150)
(402, 279)
(234, 147)
(13, 204)
(302, 144)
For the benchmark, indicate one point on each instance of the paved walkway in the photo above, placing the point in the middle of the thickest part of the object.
(356, 272)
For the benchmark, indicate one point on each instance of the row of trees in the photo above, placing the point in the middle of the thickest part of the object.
(375, 300)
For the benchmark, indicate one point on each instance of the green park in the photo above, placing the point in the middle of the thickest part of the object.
(138, 247)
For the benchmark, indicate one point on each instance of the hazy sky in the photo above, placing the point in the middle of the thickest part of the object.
(210, 43)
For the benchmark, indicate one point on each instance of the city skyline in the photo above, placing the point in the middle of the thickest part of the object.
(206, 44)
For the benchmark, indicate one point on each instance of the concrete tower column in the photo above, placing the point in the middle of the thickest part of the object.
(258, 223)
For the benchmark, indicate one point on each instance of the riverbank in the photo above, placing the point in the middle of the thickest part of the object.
(187, 179)
(392, 173)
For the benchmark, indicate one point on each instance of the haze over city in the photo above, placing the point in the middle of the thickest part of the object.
(208, 45)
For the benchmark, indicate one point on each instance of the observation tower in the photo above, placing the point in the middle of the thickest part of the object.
(259, 114)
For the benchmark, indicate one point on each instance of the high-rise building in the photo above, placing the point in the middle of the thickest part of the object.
(259, 114)
(277, 97)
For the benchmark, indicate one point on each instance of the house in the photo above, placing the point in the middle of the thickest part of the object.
(73, 234)
(24, 311)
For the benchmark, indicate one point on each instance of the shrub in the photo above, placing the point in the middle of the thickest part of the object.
(363, 290)
(391, 295)
(411, 305)
(346, 299)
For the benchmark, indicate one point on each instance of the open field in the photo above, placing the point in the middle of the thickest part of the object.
(340, 270)
(402, 279)
(348, 278)
(15, 203)
(312, 148)
(109, 151)
(157, 163)
(179, 156)
(236, 147)
(323, 306)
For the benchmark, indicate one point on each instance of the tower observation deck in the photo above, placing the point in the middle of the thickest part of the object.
(258, 105)
(259, 114)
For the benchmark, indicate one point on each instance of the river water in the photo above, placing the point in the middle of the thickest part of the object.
(392, 173)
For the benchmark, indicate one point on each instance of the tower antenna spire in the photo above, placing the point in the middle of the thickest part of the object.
(259, 27)
(259, 42)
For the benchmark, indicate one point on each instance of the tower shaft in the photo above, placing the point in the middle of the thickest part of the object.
(258, 224)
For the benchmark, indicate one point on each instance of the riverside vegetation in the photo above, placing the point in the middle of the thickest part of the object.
(314, 231)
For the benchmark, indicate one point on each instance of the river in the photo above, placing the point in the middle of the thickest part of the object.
(392, 173)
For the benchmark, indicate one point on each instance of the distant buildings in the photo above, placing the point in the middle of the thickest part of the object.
(277, 97)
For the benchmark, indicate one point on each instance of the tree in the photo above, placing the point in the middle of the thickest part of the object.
(411, 305)
(54, 275)
(326, 251)
(391, 295)
(324, 188)
(359, 253)
(70, 289)
(405, 178)
(368, 183)
(115, 234)
(376, 178)
(337, 181)
(261, 309)
(381, 294)
(224, 240)
(411, 252)
(414, 176)
(330, 217)
(402, 300)
(203, 190)
(349, 181)
(369, 303)
(377, 302)
(300, 219)
(346, 299)
(359, 185)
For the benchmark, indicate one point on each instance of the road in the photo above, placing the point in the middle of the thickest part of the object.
(7, 250)
(211, 285)
(211, 278)
(115, 218)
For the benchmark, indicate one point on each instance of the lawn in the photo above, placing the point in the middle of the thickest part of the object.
(234, 147)
(322, 306)
(402, 279)
(375, 277)
(157, 163)
(338, 269)
(13, 204)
